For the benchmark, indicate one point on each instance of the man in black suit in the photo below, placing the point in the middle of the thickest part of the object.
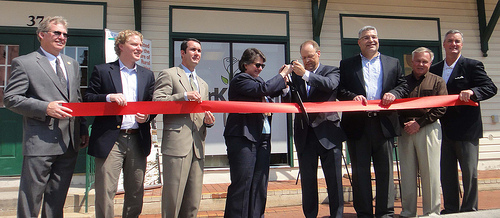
(119, 142)
(370, 134)
(462, 125)
(320, 135)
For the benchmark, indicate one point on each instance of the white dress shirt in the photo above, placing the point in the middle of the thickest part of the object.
(447, 70)
(373, 76)
(129, 87)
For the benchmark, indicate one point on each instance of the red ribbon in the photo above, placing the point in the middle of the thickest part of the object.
(185, 107)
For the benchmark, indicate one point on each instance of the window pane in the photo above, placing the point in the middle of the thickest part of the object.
(82, 54)
(3, 54)
(2, 76)
(70, 51)
(1, 97)
(83, 82)
(9, 69)
(13, 53)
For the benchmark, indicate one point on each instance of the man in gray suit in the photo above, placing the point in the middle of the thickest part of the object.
(39, 83)
(183, 144)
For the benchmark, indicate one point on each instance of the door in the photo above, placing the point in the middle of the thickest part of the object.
(11, 126)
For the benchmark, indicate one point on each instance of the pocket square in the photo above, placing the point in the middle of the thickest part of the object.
(460, 77)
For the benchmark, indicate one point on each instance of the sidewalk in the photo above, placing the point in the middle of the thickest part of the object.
(284, 199)
(489, 199)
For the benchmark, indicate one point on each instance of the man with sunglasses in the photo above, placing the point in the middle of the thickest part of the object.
(318, 134)
(39, 83)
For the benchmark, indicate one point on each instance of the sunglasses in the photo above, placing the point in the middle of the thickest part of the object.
(258, 65)
(58, 33)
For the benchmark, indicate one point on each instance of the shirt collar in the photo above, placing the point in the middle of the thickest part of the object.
(123, 67)
(374, 58)
(50, 56)
(316, 68)
(188, 71)
(452, 65)
(421, 78)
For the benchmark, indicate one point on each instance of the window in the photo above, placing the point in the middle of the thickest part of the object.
(7, 53)
(219, 62)
(80, 54)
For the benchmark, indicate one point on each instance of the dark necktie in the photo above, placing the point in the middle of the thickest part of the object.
(60, 74)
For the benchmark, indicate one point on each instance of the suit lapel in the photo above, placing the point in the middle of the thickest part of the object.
(183, 79)
(385, 75)
(141, 83)
(359, 72)
(44, 63)
(114, 73)
(319, 72)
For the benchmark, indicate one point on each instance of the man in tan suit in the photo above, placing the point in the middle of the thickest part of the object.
(183, 144)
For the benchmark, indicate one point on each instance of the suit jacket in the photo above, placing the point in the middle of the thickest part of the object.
(33, 84)
(106, 79)
(463, 123)
(323, 87)
(244, 87)
(181, 132)
(352, 84)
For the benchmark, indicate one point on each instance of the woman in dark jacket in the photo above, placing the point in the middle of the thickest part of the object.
(248, 137)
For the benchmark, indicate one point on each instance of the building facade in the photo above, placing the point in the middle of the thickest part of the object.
(227, 27)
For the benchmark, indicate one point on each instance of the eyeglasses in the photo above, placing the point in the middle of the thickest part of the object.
(258, 65)
(58, 33)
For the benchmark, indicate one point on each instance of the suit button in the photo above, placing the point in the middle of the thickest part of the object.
(118, 126)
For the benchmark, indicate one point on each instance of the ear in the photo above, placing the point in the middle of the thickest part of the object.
(120, 46)
(41, 35)
(319, 53)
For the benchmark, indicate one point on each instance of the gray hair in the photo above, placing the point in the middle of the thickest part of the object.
(45, 24)
(422, 50)
(365, 28)
(453, 32)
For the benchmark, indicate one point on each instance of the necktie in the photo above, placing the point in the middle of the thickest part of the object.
(60, 74)
(194, 87)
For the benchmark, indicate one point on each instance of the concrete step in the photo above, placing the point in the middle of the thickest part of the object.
(280, 194)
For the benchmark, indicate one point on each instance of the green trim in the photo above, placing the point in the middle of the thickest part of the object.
(318, 14)
(138, 15)
(227, 9)
(486, 30)
(104, 4)
(388, 16)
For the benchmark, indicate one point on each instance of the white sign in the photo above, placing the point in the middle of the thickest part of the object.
(109, 48)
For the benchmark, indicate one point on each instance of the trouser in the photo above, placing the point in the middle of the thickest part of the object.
(126, 154)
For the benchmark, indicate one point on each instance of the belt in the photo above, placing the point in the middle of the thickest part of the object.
(129, 131)
(372, 113)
